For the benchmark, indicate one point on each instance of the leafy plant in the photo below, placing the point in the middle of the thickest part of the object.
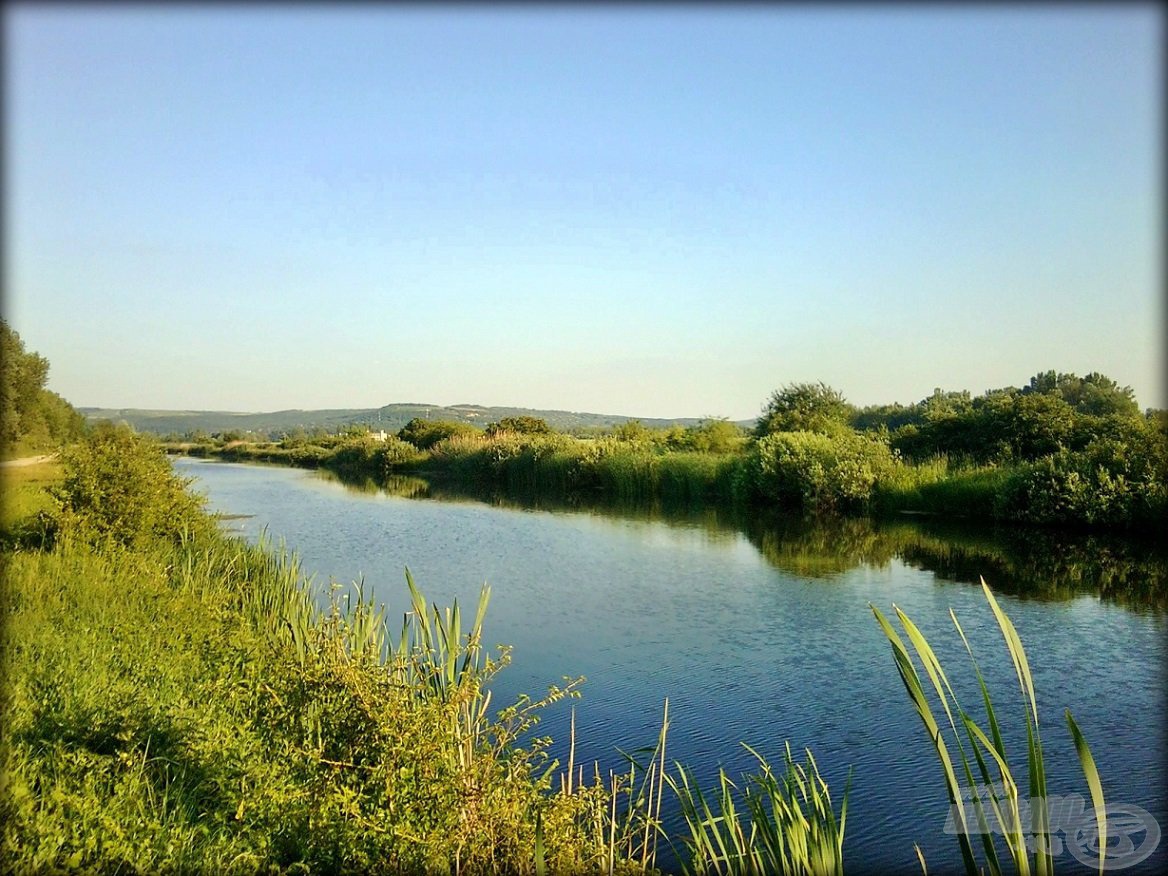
(820, 472)
(1000, 809)
(119, 489)
(804, 407)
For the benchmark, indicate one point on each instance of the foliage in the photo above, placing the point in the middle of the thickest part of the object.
(992, 794)
(820, 472)
(31, 416)
(633, 432)
(1095, 395)
(792, 824)
(889, 416)
(424, 434)
(937, 487)
(1055, 411)
(1109, 482)
(712, 435)
(521, 425)
(804, 407)
(192, 703)
(951, 454)
(364, 454)
(186, 706)
(119, 490)
(26, 508)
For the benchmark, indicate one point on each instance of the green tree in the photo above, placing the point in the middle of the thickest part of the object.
(523, 425)
(715, 435)
(804, 407)
(28, 412)
(941, 405)
(633, 431)
(1096, 394)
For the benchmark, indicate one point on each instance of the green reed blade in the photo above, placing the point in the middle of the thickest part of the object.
(1017, 653)
(1087, 761)
(916, 693)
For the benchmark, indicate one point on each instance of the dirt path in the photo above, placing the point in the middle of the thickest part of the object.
(27, 460)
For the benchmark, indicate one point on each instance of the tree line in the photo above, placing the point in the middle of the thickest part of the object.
(32, 417)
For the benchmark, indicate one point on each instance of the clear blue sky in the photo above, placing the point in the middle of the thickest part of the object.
(657, 211)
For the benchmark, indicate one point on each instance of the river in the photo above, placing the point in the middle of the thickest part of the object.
(759, 630)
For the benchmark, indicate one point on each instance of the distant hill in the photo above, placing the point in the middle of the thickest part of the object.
(390, 418)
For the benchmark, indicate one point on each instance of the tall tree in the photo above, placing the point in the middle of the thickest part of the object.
(27, 409)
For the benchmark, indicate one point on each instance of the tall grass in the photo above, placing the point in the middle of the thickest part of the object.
(183, 699)
(788, 824)
(934, 487)
(586, 468)
(1001, 809)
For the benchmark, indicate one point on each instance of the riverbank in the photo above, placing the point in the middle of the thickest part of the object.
(178, 700)
(1112, 487)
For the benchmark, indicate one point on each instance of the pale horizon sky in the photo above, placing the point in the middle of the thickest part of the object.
(656, 211)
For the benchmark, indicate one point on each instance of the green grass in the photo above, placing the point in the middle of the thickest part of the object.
(935, 488)
(193, 703)
(787, 824)
(23, 491)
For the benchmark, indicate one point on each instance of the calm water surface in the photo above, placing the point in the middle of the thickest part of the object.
(761, 632)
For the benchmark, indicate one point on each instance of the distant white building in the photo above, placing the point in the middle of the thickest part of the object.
(379, 435)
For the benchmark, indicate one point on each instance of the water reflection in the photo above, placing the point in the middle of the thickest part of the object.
(1028, 562)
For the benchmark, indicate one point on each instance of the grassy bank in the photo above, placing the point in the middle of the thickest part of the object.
(181, 701)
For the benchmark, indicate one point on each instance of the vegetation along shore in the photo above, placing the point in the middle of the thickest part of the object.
(179, 700)
(1063, 451)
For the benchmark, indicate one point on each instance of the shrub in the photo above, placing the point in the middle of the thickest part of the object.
(522, 425)
(804, 407)
(424, 434)
(1110, 482)
(394, 452)
(711, 435)
(120, 489)
(820, 472)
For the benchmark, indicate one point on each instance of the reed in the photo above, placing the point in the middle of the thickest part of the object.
(996, 807)
(787, 823)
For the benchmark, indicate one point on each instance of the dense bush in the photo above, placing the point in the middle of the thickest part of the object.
(521, 425)
(1009, 425)
(424, 434)
(711, 435)
(820, 472)
(366, 456)
(1109, 482)
(804, 407)
(119, 489)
